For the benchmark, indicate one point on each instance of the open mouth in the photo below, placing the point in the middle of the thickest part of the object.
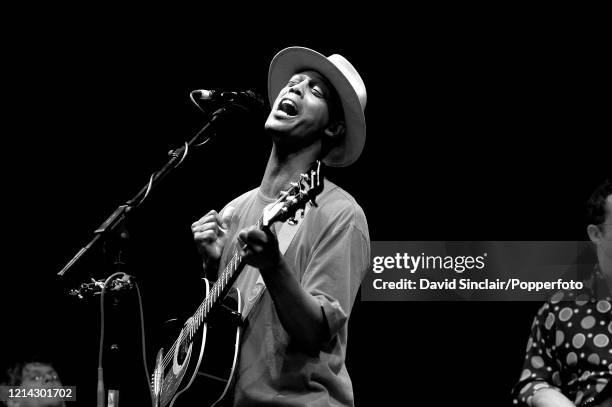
(288, 106)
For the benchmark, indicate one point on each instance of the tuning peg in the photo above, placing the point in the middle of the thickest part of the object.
(292, 221)
(294, 184)
(284, 193)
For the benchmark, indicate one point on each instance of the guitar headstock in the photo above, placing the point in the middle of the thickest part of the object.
(306, 189)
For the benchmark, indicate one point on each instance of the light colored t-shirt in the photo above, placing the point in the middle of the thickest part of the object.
(329, 255)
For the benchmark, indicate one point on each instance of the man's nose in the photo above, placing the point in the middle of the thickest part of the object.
(297, 89)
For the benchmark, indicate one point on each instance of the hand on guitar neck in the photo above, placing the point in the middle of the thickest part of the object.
(259, 248)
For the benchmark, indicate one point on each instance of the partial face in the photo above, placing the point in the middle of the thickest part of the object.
(40, 376)
(300, 113)
(605, 242)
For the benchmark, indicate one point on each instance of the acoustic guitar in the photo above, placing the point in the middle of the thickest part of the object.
(203, 357)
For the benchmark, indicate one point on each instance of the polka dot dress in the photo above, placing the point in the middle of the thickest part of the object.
(570, 347)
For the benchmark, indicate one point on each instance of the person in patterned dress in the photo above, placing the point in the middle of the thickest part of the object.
(569, 352)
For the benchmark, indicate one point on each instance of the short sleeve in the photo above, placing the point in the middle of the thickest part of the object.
(334, 272)
(540, 369)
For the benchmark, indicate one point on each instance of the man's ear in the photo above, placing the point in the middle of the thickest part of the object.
(594, 233)
(335, 129)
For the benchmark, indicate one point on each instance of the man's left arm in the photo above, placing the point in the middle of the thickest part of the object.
(313, 310)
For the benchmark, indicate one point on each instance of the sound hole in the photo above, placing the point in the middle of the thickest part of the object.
(182, 351)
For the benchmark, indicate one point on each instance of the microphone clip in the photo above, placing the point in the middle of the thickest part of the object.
(247, 100)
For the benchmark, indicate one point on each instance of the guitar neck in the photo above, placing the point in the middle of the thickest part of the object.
(285, 207)
(224, 282)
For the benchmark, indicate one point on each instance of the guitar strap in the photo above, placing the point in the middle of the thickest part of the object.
(285, 236)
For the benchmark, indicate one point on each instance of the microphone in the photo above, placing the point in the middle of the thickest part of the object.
(246, 99)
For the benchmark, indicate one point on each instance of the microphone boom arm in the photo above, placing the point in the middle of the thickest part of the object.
(117, 218)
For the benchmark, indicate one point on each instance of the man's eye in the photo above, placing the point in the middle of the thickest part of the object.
(317, 91)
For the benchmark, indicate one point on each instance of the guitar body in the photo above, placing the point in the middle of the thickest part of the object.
(199, 370)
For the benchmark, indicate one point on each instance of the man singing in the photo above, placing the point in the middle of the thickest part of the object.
(294, 345)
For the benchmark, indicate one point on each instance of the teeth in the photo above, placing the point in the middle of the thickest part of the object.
(288, 102)
(288, 106)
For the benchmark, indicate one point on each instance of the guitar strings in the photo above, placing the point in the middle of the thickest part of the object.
(224, 277)
(215, 290)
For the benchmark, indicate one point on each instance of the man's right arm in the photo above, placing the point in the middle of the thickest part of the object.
(210, 233)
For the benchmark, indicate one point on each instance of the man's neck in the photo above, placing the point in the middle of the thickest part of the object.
(283, 168)
(606, 269)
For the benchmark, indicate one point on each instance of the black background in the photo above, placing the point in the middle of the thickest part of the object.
(478, 129)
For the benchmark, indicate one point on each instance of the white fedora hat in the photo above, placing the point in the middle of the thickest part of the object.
(348, 85)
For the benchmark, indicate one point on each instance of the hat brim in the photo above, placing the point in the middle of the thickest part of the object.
(292, 60)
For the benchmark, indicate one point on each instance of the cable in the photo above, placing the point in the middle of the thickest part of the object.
(183, 156)
(185, 152)
(149, 186)
(194, 101)
(204, 142)
(144, 347)
(101, 397)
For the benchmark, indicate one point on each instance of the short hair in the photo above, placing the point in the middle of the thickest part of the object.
(596, 205)
(13, 376)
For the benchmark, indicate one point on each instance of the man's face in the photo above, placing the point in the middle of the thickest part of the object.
(605, 243)
(301, 112)
(39, 376)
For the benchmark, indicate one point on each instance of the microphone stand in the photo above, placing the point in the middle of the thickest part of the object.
(115, 225)
(117, 218)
